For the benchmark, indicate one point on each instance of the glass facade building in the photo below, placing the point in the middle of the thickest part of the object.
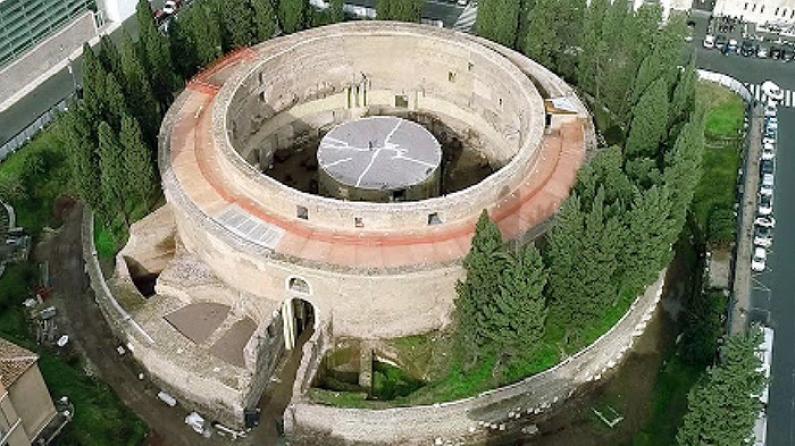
(24, 23)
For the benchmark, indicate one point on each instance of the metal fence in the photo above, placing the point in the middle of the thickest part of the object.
(21, 138)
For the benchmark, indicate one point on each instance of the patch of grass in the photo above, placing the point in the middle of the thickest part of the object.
(674, 382)
(100, 418)
(725, 111)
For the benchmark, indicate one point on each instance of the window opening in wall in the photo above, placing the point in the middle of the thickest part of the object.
(271, 331)
(298, 285)
(761, 10)
(399, 195)
(401, 101)
(470, 66)
(451, 76)
(262, 96)
(776, 13)
(357, 221)
(302, 212)
(433, 219)
(753, 8)
(261, 78)
(784, 12)
(500, 102)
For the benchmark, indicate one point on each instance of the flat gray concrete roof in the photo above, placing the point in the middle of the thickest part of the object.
(381, 153)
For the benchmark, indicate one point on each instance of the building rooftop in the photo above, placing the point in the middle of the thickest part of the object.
(379, 153)
(14, 361)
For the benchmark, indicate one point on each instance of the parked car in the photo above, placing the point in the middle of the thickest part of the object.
(767, 167)
(765, 222)
(771, 133)
(768, 140)
(771, 110)
(747, 48)
(709, 41)
(765, 205)
(732, 46)
(761, 52)
(758, 261)
(787, 54)
(720, 42)
(772, 90)
(775, 52)
(768, 151)
(763, 237)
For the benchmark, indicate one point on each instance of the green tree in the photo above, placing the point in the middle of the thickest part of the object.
(543, 41)
(114, 103)
(205, 34)
(517, 313)
(498, 21)
(703, 326)
(484, 265)
(649, 121)
(336, 13)
(79, 143)
(683, 101)
(140, 100)
(661, 62)
(651, 230)
(582, 256)
(155, 55)
(293, 14)
(400, 10)
(683, 167)
(137, 160)
(593, 52)
(643, 172)
(264, 20)
(109, 55)
(186, 61)
(237, 24)
(94, 82)
(525, 9)
(113, 178)
(604, 171)
(723, 407)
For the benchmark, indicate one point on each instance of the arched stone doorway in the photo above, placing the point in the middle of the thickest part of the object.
(299, 319)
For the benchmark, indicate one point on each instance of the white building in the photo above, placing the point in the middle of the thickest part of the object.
(780, 13)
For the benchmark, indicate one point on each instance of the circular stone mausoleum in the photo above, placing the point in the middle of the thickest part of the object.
(332, 179)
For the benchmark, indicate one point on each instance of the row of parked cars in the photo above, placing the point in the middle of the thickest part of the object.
(765, 222)
(749, 48)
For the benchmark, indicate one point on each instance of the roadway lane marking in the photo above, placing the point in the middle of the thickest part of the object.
(756, 91)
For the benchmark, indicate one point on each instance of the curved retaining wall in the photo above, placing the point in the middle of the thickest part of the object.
(469, 420)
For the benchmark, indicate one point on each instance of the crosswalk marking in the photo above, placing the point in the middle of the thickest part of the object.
(466, 21)
(756, 92)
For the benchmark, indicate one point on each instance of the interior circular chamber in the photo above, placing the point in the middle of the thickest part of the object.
(284, 108)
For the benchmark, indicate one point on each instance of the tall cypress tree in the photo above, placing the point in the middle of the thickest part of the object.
(205, 34)
(649, 122)
(155, 55)
(237, 24)
(593, 52)
(516, 315)
(293, 14)
(683, 101)
(543, 41)
(498, 20)
(137, 161)
(400, 10)
(683, 167)
(604, 171)
(109, 55)
(723, 407)
(114, 103)
(336, 12)
(186, 61)
(113, 178)
(94, 84)
(77, 135)
(264, 19)
(138, 93)
(483, 264)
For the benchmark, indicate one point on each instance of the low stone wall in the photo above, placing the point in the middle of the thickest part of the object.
(470, 420)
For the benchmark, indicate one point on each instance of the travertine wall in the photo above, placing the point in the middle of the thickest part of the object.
(306, 79)
(465, 421)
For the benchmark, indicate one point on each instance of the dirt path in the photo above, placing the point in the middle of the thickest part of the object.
(81, 318)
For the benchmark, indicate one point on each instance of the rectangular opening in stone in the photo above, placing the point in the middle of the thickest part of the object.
(401, 101)
(302, 212)
(433, 219)
(357, 221)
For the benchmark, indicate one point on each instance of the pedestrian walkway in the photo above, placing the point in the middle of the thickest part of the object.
(466, 21)
(756, 92)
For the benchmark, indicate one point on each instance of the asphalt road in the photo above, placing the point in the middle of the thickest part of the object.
(772, 298)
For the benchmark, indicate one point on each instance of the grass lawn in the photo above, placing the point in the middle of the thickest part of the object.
(100, 417)
(715, 195)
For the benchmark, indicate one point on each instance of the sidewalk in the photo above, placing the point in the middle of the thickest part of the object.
(741, 303)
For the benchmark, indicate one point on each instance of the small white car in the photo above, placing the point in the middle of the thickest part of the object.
(768, 179)
(768, 153)
(709, 41)
(772, 90)
(758, 261)
(768, 140)
(766, 190)
(765, 222)
(771, 110)
(763, 237)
